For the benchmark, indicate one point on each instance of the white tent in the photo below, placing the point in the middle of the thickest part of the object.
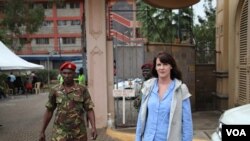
(10, 61)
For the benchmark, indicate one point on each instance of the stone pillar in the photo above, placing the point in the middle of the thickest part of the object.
(97, 58)
(233, 51)
(222, 54)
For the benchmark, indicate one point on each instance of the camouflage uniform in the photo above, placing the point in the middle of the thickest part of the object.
(69, 124)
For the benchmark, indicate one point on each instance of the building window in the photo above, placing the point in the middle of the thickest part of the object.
(69, 40)
(138, 33)
(74, 5)
(61, 5)
(75, 22)
(23, 40)
(47, 23)
(35, 5)
(1, 8)
(42, 41)
(47, 5)
(61, 23)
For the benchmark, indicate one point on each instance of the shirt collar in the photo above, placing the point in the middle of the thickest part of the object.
(155, 87)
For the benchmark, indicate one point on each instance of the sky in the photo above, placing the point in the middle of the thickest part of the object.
(199, 10)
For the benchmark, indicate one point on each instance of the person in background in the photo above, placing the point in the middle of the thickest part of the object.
(81, 81)
(71, 100)
(12, 79)
(165, 112)
(34, 79)
(60, 78)
(2, 94)
(28, 83)
(146, 73)
(81, 77)
(19, 85)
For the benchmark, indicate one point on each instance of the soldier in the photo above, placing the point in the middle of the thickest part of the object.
(146, 73)
(71, 100)
(81, 77)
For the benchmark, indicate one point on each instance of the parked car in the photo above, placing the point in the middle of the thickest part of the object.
(236, 116)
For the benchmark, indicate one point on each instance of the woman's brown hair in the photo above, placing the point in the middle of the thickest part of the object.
(166, 58)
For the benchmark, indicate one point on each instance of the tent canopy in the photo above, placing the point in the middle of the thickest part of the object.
(10, 61)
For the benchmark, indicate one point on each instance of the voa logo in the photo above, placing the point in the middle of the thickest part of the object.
(236, 132)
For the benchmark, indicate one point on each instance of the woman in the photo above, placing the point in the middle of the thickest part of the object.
(165, 113)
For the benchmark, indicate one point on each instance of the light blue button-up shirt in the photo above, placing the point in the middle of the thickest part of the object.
(158, 115)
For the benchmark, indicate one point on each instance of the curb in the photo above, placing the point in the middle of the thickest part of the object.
(122, 136)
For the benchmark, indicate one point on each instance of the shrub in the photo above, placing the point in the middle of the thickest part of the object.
(42, 75)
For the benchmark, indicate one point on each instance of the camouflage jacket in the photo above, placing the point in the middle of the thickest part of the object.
(69, 121)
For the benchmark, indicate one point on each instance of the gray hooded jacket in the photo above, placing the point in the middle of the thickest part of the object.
(175, 126)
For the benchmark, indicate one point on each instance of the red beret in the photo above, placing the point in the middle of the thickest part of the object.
(149, 66)
(68, 65)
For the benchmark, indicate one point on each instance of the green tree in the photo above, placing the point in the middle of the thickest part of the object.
(183, 24)
(3, 37)
(163, 25)
(21, 18)
(204, 33)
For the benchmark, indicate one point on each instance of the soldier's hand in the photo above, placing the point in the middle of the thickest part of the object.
(42, 137)
(137, 102)
(93, 133)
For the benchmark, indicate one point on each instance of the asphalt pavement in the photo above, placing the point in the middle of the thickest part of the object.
(21, 119)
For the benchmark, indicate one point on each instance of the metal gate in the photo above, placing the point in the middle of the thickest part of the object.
(130, 52)
(205, 82)
(205, 79)
(129, 60)
(128, 55)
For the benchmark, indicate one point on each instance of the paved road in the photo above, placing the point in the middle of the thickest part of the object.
(204, 122)
(21, 118)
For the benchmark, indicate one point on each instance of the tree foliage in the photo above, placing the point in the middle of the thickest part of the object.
(3, 37)
(163, 25)
(204, 33)
(21, 18)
